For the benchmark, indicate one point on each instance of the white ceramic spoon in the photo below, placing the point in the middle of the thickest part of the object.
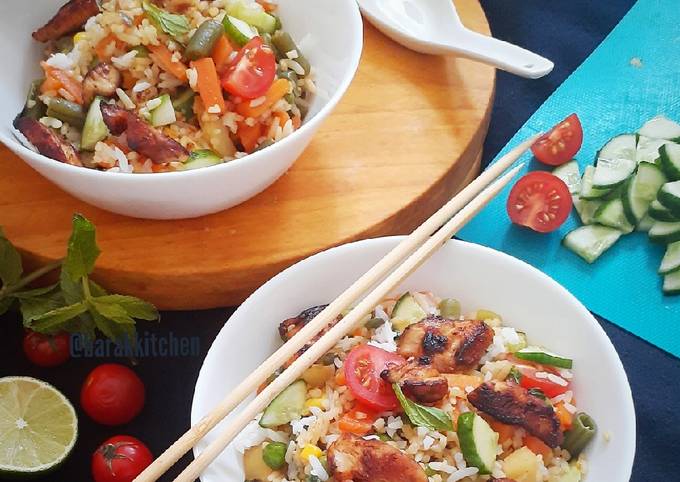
(434, 27)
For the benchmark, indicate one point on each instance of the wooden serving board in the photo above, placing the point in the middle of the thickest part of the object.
(405, 138)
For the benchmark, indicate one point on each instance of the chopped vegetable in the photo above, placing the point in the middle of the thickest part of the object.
(68, 83)
(95, 129)
(66, 111)
(539, 201)
(171, 23)
(561, 143)
(221, 52)
(204, 40)
(579, 436)
(274, 454)
(288, 405)
(164, 113)
(422, 416)
(251, 75)
(478, 442)
(166, 61)
(253, 14)
(208, 85)
(202, 158)
(248, 135)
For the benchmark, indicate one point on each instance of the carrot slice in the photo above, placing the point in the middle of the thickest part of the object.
(221, 52)
(103, 45)
(276, 92)
(358, 421)
(297, 122)
(249, 135)
(563, 416)
(538, 447)
(505, 432)
(129, 80)
(163, 57)
(50, 84)
(208, 83)
(62, 79)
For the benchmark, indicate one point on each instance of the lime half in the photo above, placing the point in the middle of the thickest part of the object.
(38, 427)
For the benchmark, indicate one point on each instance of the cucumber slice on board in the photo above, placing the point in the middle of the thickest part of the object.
(611, 214)
(665, 233)
(641, 190)
(406, 312)
(544, 357)
(671, 260)
(671, 283)
(238, 30)
(645, 224)
(288, 405)
(587, 189)
(589, 242)
(648, 149)
(661, 128)
(478, 442)
(586, 208)
(202, 158)
(669, 196)
(659, 212)
(669, 159)
(615, 161)
(571, 176)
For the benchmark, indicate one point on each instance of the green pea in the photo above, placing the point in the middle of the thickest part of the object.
(274, 455)
(450, 308)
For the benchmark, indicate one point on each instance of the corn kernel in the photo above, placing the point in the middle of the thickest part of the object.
(79, 36)
(310, 450)
(314, 402)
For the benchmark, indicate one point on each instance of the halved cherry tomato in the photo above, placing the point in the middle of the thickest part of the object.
(530, 380)
(252, 71)
(47, 350)
(363, 366)
(561, 143)
(539, 201)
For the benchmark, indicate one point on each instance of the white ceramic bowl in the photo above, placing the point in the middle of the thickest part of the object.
(477, 276)
(331, 33)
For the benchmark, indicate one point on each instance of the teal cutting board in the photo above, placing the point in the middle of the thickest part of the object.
(632, 76)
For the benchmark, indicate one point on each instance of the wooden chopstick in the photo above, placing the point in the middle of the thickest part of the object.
(344, 326)
(189, 439)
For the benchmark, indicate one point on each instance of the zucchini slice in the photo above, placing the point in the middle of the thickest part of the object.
(648, 149)
(571, 176)
(544, 357)
(587, 189)
(611, 214)
(288, 405)
(478, 442)
(665, 233)
(659, 212)
(645, 224)
(671, 260)
(406, 312)
(615, 161)
(238, 30)
(202, 158)
(669, 196)
(669, 158)
(589, 242)
(661, 128)
(586, 209)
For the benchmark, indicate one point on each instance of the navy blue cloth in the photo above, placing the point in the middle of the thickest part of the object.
(565, 32)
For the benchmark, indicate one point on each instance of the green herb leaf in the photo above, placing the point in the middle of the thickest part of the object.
(34, 292)
(112, 311)
(10, 262)
(35, 306)
(82, 249)
(132, 306)
(537, 392)
(514, 375)
(171, 23)
(54, 320)
(421, 416)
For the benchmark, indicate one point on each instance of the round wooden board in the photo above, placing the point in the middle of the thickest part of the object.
(404, 139)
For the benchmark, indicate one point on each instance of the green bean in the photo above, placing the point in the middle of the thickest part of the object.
(274, 455)
(374, 323)
(582, 431)
(203, 41)
(288, 74)
(34, 108)
(142, 51)
(450, 308)
(184, 103)
(284, 43)
(66, 111)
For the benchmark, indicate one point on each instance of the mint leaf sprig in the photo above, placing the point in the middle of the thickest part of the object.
(429, 417)
(76, 303)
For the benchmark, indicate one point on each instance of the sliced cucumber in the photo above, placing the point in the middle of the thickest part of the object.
(645, 224)
(238, 30)
(671, 283)
(671, 260)
(669, 158)
(164, 114)
(611, 214)
(586, 208)
(406, 312)
(641, 190)
(659, 212)
(571, 176)
(202, 158)
(478, 442)
(95, 129)
(254, 15)
(288, 405)
(615, 162)
(648, 149)
(666, 233)
(587, 189)
(661, 128)
(544, 357)
(589, 242)
(669, 196)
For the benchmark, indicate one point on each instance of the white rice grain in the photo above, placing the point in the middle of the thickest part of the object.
(141, 86)
(258, 102)
(52, 122)
(192, 77)
(461, 474)
(317, 468)
(122, 159)
(125, 99)
(60, 61)
(293, 54)
(124, 61)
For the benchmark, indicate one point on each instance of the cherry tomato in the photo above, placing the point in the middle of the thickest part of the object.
(47, 350)
(363, 366)
(112, 394)
(539, 201)
(561, 143)
(529, 379)
(120, 459)
(252, 71)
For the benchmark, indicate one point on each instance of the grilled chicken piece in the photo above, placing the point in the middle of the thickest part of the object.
(47, 141)
(452, 345)
(354, 459)
(102, 80)
(141, 137)
(288, 328)
(513, 404)
(418, 380)
(70, 18)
